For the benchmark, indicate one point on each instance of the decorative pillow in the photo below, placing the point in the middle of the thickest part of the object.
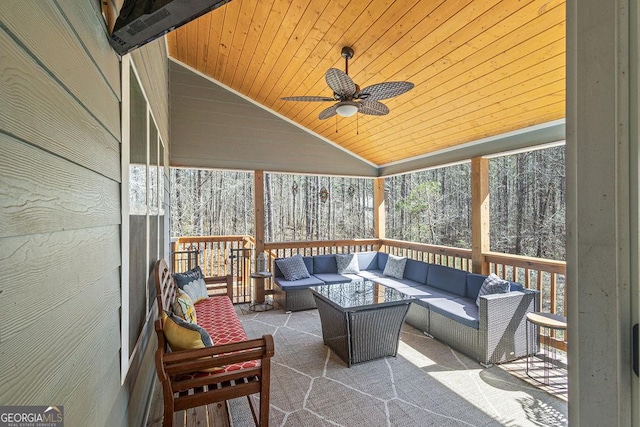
(395, 266)
(493, 285)
(293, 267)
(183, 307)
(192, 282)
(347, 264)
(182, 335)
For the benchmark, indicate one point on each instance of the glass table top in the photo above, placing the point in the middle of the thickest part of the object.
(360, 293)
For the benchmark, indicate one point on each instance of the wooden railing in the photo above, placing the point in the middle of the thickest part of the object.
(433, 254)
(544, 275)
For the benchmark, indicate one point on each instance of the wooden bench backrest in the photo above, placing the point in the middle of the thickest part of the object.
(166, 288)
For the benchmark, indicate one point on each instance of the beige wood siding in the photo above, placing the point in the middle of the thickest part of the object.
(60, 213)
(216, 128)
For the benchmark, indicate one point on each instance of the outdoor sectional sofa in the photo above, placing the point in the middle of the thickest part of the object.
(444, 306)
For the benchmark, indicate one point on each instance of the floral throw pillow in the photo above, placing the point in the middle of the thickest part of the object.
(347, 264)
(192, 282)
(183, 307)
(395, 266)
(493, 285)
(293, 268)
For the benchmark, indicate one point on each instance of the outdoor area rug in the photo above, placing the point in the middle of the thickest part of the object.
(428, 383)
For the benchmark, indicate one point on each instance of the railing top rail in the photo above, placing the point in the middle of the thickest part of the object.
(195, 239)
(550, 265)
(437, 249)
(320, 243)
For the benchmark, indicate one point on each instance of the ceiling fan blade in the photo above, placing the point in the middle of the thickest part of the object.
(328, 112)
(373, 108)
(308, 98)
(340, 83)
(384, 90)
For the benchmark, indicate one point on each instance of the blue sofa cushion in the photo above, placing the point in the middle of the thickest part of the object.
(474, 283)
(323, 264)
(416, 271)
(382, 260)
(462, 310)
(448, 279)
(289, 285)
(347, 264)
(370, 274)
(331, 278)
(367, 260)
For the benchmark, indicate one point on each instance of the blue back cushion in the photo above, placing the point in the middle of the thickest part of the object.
(448, 279)
(474, 283)
(382, 260)
(367, 260)
(416, 271)
(323, 264)
(308, 261)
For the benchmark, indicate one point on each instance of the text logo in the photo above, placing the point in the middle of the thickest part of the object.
(31, 416)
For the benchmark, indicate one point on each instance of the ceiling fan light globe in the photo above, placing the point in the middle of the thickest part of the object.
(346, 109)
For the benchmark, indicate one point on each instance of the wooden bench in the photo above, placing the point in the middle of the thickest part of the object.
(235, 366)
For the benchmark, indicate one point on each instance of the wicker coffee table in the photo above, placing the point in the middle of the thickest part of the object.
(361, 320)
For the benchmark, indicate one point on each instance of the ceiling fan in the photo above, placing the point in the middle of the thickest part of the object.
(351, 99)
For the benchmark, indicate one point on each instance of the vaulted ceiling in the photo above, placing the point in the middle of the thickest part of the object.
(480, 67)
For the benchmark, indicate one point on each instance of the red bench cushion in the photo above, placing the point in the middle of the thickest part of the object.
(217, 316)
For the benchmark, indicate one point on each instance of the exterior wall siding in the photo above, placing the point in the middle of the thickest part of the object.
(60, 213)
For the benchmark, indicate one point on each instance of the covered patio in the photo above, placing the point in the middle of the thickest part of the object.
(80, 124)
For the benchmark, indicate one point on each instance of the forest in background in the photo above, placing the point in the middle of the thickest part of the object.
(527, 206)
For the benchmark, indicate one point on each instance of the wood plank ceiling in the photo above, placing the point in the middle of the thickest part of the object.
(480, 67)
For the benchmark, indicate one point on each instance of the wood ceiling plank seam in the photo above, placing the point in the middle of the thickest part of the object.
(477, 53)
(323, 56)
(256, 28)
(275, 18)
(192, 45)
(550, 114)
(299, 36)
(555, 63)
(241, 32)
(332, 58)
(171, 43)
(274, 55)
(552, 33)
(303, 57)
(216, 26)
(468, 109)
(498, 112)
(204, 26)
(182, 43)
(231, 16)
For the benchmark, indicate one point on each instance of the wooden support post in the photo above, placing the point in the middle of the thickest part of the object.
(480, 221)
(258, 218)
(379, 216)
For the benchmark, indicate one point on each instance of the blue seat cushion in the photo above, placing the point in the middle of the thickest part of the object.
(331, 278)
(323, 264)
(287, 285)
(462, 310)
(448, 279)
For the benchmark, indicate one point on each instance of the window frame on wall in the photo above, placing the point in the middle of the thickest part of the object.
(129, 347)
